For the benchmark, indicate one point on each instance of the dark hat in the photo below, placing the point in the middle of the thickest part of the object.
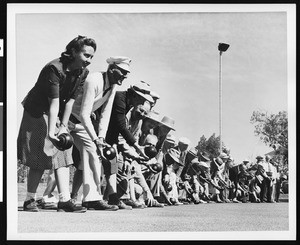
(174, 154)
(259, 158)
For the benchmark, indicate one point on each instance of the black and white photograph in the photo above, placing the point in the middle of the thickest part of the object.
(151, 122)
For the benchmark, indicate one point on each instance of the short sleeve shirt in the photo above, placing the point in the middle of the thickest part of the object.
(53, 82)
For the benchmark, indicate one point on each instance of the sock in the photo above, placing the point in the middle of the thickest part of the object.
(64, 196)
(30, 195)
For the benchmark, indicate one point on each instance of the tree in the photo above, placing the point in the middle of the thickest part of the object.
(211, 146)
(272, 130)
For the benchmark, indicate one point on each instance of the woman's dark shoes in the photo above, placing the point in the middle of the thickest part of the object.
(69, 206)
(30, 206)
(99, 205)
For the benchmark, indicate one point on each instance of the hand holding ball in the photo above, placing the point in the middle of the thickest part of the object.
(65, 141)
(109, 153)
(150, 151)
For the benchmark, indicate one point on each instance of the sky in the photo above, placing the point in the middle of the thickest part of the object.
(177, 54)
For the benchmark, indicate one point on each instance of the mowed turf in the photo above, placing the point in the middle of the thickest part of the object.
(183, 218)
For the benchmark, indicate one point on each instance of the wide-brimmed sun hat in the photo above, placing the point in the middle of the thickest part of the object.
(154, 116)
(142, 89)
(204, 155)
(168, 122)
(223, 156)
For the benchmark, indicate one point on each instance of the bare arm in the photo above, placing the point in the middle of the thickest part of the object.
(53, 113)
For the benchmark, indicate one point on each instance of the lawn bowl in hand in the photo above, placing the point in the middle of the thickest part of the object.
(109, 153)
(150, 151)
(155, 167)
(65, 141)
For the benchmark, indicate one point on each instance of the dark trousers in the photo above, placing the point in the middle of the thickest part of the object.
(266, 190)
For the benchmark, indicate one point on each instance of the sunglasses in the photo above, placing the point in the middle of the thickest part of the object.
(123, 72)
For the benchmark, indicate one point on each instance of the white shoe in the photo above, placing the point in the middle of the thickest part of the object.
(52, 199)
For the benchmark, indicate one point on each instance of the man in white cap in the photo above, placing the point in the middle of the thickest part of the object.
(98, 91)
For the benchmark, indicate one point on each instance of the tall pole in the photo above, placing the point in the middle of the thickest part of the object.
(220, 100)
(222, 48)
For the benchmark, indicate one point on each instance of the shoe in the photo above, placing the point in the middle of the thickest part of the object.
(132, 203)
(47, 203)
(122, 205)
(234, 200)
(155, 204)
(271, 201)
(99, 205)
(202, 201)
(30, 205)
(51, 199)
(227, 200)
(178, 203)
(69, 206)
(197, 202)
(172, 201)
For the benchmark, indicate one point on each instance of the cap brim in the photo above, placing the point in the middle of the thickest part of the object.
(123, 66)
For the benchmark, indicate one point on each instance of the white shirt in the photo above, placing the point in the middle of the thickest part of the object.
(90, 99)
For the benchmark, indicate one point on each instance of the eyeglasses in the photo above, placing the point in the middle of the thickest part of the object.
(124, 73)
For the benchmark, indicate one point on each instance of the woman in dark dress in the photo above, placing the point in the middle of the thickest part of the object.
(47, 108)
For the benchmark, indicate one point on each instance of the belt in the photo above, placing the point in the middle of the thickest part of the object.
(73, 119)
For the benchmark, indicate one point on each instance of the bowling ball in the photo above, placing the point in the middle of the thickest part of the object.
(109, 153)
(155, 167)
(150, 151)
(65, 141)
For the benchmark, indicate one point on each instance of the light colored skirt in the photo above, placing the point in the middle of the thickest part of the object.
(35, 150)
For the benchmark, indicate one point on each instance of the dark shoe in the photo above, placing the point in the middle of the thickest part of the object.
(30, 205)
(122, 205)
(69, 206)
(271, 201)
(46, 205)
(172, 200)
(99, 205)
(132, 203)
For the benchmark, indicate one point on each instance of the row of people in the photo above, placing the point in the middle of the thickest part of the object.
(148, 169)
